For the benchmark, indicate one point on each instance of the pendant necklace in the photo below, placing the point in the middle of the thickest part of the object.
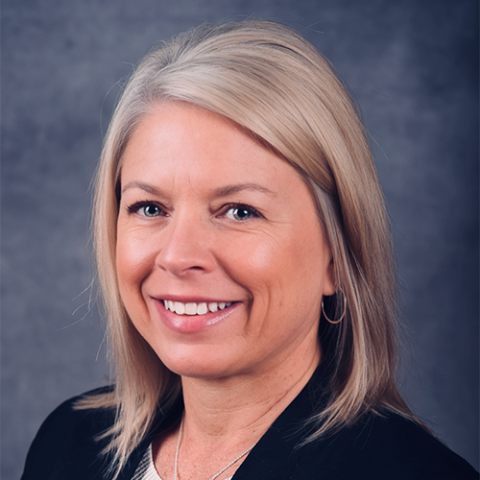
(218, 473)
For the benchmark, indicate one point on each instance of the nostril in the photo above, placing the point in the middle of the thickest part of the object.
(184, 249)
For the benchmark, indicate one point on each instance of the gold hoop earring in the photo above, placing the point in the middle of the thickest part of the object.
(334, 322)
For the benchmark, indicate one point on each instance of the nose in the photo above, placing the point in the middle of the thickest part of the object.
(185, 247)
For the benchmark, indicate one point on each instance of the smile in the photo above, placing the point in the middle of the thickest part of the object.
(192, 308)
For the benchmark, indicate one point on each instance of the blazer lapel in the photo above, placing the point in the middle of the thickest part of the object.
(276, 454)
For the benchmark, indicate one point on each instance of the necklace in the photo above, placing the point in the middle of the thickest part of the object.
(179, 438)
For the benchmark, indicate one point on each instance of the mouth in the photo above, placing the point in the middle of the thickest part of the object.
(194, 308)
(194, 317)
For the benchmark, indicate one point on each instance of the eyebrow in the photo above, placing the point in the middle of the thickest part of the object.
(142, 186)
(231, 189)
(219, 192)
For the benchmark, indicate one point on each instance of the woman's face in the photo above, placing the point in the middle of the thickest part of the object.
(221, 258)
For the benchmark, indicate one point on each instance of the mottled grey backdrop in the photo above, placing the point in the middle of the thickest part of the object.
(412, 65)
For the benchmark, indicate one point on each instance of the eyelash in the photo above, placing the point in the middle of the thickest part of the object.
(139, 205)
(253, 213)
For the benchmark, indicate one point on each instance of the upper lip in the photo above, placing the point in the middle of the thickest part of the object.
(184, 299)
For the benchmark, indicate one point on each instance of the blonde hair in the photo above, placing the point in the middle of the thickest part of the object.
(277, 86)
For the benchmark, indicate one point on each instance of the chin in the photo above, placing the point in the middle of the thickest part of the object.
(198, 362)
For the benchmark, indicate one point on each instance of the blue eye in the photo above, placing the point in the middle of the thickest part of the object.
(146, 209)
(241, 213)
(150, 210)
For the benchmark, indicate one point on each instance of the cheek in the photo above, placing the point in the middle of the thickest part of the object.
(253, 262)
(269, 271)
(134, 262)
(286, 277)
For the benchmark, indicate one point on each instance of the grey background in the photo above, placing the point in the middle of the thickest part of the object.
(412, 65)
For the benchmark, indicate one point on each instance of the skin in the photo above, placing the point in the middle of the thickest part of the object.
(208, 214)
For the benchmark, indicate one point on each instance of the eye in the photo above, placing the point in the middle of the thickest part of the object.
(241, 212)
(146, 209)
(150, 210)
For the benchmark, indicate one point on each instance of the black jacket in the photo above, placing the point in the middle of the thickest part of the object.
(386, 447)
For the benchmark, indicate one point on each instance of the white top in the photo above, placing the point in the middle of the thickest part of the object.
(146, 468)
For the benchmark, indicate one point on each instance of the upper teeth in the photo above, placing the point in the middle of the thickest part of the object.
(192, 308)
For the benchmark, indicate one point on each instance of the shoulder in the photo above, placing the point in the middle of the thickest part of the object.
(389, 446)
(378, 446)
(67, 438)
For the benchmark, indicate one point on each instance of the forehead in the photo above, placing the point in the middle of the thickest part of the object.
(177, 139)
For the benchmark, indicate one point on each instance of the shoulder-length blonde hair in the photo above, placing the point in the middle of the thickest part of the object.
(277, 86)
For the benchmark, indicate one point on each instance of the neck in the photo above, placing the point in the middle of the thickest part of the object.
(227, 416)
(240, 409)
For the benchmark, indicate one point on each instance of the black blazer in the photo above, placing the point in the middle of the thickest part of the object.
(386, 447)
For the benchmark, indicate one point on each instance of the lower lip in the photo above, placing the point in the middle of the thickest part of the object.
(193, 323)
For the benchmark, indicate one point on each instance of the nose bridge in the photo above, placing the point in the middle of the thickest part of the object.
(185, 246)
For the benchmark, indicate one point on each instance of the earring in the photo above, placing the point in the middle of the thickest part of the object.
(334, 322)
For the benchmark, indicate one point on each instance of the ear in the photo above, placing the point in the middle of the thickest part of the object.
(329, 287)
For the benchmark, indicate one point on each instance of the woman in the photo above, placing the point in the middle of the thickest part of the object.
(244, 256)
